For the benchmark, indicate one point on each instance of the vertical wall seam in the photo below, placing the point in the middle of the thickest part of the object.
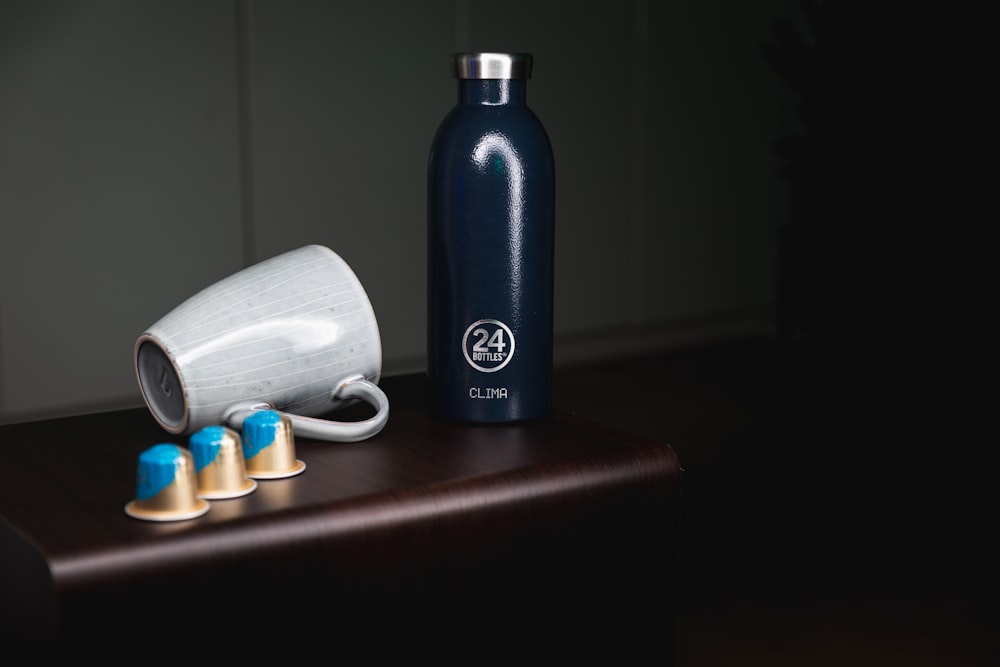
(244, 88)
(463, 26)
(638, 166)
(3, 374)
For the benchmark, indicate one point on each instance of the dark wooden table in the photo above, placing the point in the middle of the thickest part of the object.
(559, 530)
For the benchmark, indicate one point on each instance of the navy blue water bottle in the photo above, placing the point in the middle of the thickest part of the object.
(490, 248)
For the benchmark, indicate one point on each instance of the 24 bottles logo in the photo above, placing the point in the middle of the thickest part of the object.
(488, 345)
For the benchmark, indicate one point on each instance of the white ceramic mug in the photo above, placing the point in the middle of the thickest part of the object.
(294, 333)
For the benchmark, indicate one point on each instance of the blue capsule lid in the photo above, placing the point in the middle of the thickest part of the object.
(157, 469)
(259, 431)
(205, 445)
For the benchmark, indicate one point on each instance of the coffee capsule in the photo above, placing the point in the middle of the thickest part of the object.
(218, 462)
(269, 446)
(166, 486)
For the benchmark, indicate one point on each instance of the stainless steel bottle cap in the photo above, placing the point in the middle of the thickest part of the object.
(492, 65)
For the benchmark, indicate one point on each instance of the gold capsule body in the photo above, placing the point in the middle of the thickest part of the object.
(218, 459)
(166, 486)
(269, 446)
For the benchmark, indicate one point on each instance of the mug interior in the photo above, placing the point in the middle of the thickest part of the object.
(161, 386)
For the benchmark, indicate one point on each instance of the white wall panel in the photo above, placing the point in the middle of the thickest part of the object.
(150, 148)
(118, 187)
(346, 99)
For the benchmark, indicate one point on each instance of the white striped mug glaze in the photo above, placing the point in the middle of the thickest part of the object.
(294, 333)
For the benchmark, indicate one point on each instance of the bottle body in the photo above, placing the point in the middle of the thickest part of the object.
(490, 258)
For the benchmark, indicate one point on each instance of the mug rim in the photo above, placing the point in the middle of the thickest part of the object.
(179, 425)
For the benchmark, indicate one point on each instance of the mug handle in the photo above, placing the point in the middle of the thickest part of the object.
(324, 429)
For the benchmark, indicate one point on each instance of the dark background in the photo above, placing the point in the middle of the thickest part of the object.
(802, 176)
(150, 148)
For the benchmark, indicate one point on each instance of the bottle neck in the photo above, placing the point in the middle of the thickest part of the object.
(492, 92)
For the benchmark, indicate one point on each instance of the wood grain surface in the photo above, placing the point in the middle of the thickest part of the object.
(558, 519)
